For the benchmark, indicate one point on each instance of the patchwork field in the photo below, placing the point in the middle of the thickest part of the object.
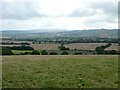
(113, 47)
(45, 46)
(90, 46)
(79, 46)
(70, 71)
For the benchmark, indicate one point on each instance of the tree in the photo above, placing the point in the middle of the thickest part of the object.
(44, 52)
(63, 48)
(22, 47)
(39, 42)
(53, 53)
(64, 53)
(100, 50)
(78, 53)
(35, 52)
(5, 51)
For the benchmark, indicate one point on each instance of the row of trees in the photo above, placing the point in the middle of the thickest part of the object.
(44, 52)
(22, 47)
(13, 43)
(68, 40)
(101, 50)
(7, 51)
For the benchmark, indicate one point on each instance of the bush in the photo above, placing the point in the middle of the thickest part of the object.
(35, 52)
(53, 53)
(44, 52)
(5, 51)
(78, 53)
(25, 53)
(100, 50)
(63, 48)
(64, 53)
(112, 52)
(22, 47)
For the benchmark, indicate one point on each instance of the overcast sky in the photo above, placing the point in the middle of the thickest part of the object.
(58, 14)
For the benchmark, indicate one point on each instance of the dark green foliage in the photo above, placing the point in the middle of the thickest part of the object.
(111, 52)
(106, 46)
(13, 43)
(23, 53)
(100, 49)
(35, 52)
(5, 51)
(39, 42)
(22, 47)
(44, 52)
(78, 53)
(64, 53)
(53, 53)
(63, 48)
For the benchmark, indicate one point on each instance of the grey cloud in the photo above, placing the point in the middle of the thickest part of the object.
(18, 10)
(108, 8)
(82, 12)
(109, 13)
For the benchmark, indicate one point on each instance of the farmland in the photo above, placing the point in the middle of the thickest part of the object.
(20, 51)
(90, 46)
(59, 60)
(84, 48)
(72, 46)
(45, 46)
(99, 71)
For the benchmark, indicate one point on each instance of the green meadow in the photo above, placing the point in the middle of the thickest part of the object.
(61, 71)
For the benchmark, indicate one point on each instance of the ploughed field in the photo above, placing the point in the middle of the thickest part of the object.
(45, 46)
(61, 71)
(91, 46)
(72, 46)
(79, 46)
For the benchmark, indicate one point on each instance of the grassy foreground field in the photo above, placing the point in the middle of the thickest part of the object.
(60, 71)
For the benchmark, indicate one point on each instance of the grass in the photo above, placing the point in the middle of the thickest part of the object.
(20, 51)
(60, 71)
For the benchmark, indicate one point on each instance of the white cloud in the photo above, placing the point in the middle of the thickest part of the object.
(65, 14)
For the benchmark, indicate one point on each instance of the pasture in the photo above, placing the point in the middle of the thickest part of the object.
(20, 51)
(82, 71)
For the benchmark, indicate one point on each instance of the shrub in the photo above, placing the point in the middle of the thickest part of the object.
(111, 52)
(64, 53)
(5, 51)
(75, 49)
(44, 52)
(53, 53)
(63, 48)
(26, 53)
(35, 52)
(78, 53)
(100, 50)
(22, 47)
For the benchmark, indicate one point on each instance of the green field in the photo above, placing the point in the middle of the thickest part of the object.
(38, 71)
(20, 51)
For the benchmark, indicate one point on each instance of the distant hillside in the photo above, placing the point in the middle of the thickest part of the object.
(101, 33)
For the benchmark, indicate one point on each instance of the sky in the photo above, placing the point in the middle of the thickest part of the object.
(58, 14)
